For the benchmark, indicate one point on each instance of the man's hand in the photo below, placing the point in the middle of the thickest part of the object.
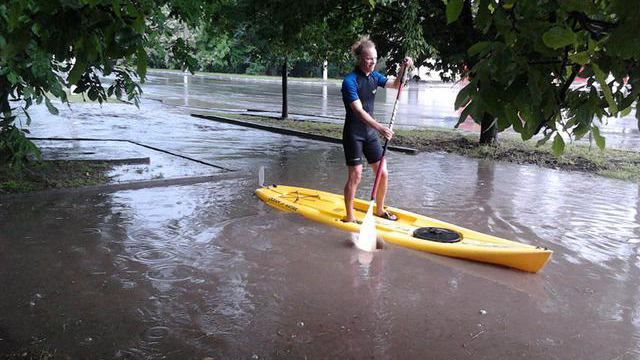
(385, 132)
(408, 62)
(394, 82)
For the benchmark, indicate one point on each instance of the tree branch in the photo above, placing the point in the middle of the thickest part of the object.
(597, 28)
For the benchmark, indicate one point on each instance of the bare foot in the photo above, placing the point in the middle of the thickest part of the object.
(356, 221)
(387, 215)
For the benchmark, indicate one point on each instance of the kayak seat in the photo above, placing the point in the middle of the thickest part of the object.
(437, 234)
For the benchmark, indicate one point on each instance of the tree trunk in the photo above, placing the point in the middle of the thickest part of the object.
(488, 130)
(6, 152)
(285, 105)
(5, 110)
(4, 97)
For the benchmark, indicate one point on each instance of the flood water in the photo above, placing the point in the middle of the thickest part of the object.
(421, 104)
(207, 270)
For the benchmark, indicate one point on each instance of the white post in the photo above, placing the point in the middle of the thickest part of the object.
(325, 71)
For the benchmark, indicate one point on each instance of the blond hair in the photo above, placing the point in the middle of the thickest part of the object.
(360, 45)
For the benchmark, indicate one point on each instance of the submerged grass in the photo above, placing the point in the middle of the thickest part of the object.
(612, 163)
(54, 174)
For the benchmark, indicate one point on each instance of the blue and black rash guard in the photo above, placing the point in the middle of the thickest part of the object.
(356, 85)
(359, 139)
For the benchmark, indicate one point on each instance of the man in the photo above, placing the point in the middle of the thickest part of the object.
(360, 132)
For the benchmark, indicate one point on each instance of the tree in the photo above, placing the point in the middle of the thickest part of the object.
(531, 52)
(420, 29)
(163, 32)
(397, 29)
(276, 28)
(284, 31)
(518, 77)
(49, 46)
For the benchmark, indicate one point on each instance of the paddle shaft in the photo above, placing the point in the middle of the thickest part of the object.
(376, 182)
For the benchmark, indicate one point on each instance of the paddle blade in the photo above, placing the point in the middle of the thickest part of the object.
(367, 238)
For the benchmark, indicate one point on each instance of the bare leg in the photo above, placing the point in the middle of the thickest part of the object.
(382, 185)
(355, 174)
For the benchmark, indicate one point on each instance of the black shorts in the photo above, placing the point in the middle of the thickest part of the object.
(356, 148)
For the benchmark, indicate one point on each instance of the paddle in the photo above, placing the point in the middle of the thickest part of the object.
(367, 238)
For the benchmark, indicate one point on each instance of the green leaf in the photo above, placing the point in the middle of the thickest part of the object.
(510, 115)
(587, 7)
(142, 62)
(489, 96)
(627, 101)
(580, 58)
(478, 48)
(52, 109)
(517, 125)
(138, 24)
(580, 130)
(508, 4)
(597, 137)
(463, 116)
(600, 76)
(12, 77)
(584, 114)
(483, 17)
(76, 73)
(559, 37)
(503, 121)
(464, 95)
(115, 5)
(35, 28)
(454, 9)
(92, 94)
(558, 145)
(476, 108)
(26, 113)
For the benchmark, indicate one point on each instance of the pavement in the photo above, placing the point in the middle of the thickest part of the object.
(135, 165)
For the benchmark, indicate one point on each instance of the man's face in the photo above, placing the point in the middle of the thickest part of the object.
(368, 59)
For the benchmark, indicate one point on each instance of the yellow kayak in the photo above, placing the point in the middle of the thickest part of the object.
(410, 230)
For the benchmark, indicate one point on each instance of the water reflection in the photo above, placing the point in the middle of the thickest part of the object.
(185, 81)
(633, 312)
(325, 101)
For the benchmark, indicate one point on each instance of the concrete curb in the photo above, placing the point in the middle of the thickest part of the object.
(135, 143)
(284, 131)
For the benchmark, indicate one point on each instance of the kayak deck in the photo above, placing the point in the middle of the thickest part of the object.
(328, 208)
